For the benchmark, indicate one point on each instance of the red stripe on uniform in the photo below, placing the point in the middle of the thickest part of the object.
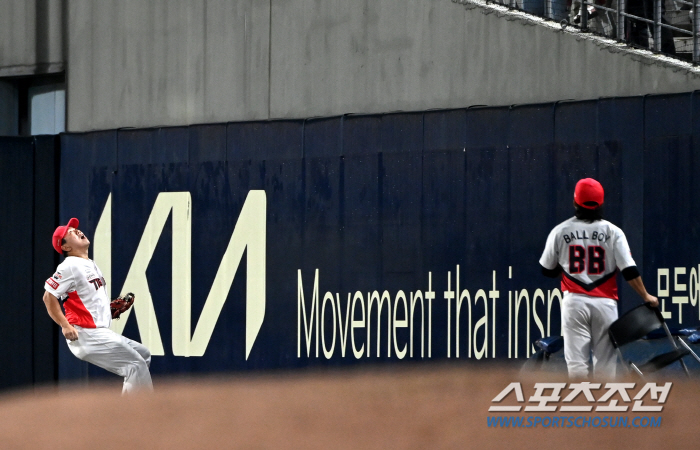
(607, 289)
(76, 313)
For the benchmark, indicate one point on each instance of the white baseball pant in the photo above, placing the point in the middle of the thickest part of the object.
(585, 321)
(115, 353)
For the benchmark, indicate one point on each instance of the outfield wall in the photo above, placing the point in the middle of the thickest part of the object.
(29, 171)
(347, 240)
(338, 241)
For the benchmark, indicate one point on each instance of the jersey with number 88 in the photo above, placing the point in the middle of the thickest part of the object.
(590, 254)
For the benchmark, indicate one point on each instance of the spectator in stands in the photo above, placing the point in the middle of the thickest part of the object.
(638, 32)
(599, 20)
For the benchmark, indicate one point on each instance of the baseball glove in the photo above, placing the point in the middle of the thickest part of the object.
(121, 304)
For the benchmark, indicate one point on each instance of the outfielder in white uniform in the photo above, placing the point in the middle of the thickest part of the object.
(80, 284)
(588, 252)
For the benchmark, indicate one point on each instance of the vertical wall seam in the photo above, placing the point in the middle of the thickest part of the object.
(269, 61)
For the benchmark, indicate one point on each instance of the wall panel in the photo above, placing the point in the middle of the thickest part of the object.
(405, 236)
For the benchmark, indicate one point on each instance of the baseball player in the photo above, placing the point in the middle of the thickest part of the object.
(588, 251)
(79, 283)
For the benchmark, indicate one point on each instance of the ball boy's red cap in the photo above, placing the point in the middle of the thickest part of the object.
(60, 233)
(589, 193)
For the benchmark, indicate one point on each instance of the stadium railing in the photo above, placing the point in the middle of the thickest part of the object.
(670, 27)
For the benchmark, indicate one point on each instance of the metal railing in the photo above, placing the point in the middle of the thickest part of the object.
(671, 27)
(657, 22)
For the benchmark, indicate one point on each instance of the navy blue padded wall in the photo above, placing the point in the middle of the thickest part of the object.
(576, 151)
(671, 228)
(443, 210)
(531, 177)
(323, 170)
(401, 165)
(248, 146)
(487, 187)
(361, 203)
(246, 149)
(323, 184)
(323, 229)
(88, 165)
(668, 170)
(377, 202)
(285, 187)
(213, 222)
(45, 336)
(29, 188)
(17, 191)
(444, 220)
(621, 129)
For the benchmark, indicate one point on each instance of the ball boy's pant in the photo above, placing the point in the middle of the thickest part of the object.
(585, 321)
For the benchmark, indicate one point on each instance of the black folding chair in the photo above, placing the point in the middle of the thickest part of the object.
(549, 357)
(637, 323)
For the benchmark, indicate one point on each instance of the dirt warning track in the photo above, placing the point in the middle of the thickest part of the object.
(428, 406)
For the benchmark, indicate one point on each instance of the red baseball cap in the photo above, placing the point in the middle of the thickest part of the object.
(60, 233)
(589, 193)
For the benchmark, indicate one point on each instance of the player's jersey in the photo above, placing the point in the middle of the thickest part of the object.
(82, 285)
(590, 255)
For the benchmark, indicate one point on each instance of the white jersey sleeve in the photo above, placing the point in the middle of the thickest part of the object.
(61, 282)
(623, 254)
(550, 256)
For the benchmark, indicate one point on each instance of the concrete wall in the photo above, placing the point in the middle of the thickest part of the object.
(31, 37)
(167, 62)
(182, 62)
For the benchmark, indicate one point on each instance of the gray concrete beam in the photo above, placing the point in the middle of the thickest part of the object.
(166, 62)
(31, 37)
(174, 62)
